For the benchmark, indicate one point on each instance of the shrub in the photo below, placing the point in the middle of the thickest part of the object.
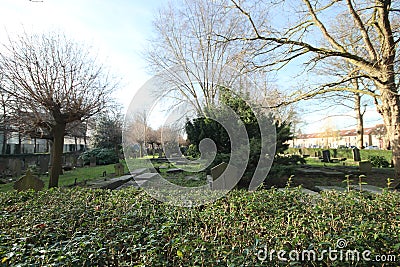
(83, 227)
(103, 156)
(378, 161)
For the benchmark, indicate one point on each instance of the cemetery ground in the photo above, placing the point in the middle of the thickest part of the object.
(78, 226)
(68, 177)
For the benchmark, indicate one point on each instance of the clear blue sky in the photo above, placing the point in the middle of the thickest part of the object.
(118, 30)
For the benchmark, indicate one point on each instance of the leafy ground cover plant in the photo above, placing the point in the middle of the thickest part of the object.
(83, 227)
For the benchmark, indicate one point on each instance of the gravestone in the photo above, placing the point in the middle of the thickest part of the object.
(28, 181)
(80, 162)
(224, 176)
(365, 166)
(119, 169)
(326, 156)
(43, 165)
(335, 153)
(3, 165)
(92, 162)
(356, 154)
(16, 167)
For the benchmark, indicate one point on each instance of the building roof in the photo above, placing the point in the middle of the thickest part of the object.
(377, 129)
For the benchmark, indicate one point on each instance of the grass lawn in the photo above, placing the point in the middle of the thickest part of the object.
(68, 178)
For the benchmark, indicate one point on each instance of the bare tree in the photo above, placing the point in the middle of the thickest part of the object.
(54, 82)
(185, 40)
(5, 126)
(377, 25)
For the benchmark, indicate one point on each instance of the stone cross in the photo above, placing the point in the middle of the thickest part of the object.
(28, 181)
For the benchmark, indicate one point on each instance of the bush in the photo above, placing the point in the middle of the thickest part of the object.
(83, 227)
(378, 161)
(103, 156)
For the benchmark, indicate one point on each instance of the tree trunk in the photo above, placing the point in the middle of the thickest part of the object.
(391, 116)
(56, 153)
(4, 147)
(360, 121)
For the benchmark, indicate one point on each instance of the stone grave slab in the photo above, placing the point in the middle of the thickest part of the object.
(309, 171)
(332, 173)
(330, 188)
(28, 181)
(111, 183)
(174, 170)
(139, 171)
(146, 176)
(367, 188)
(131, 183)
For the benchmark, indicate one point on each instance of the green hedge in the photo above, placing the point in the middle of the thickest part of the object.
(83, 227)
(345, 153)
(104, 156)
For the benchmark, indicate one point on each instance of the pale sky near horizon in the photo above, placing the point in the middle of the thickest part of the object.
(117, 30)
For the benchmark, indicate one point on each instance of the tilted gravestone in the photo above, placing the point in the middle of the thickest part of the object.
(356, 154)
(93, 162)
(28, 181)
(119, 169)
(224, 176)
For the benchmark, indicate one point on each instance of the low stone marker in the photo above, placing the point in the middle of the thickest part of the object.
(80, 162)
(28, 181)
(119, 169)
(365, 166)
(92, 162)
(224, 176)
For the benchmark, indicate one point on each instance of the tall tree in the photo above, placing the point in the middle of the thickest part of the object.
(108, 131)
(55, 82)
(184, 40)
(377, 25)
